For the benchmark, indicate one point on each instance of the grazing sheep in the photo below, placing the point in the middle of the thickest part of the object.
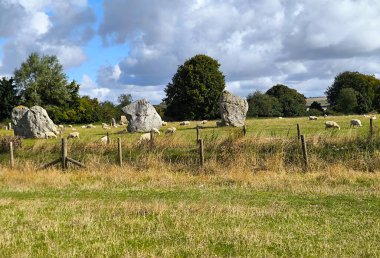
(373, 117)
(146, 136)
(204, 122)
(331, 124)
(73, 135)
(356, 122)
(184, 123)
(325, 115)
(170, 130)
(83, 126)
(50, 135)
(73, 129)
(105, 125)
(90, 126)
(313, 118)
(103, 139)
(61, 126)
(70, 126)
(280, 117)
(164, 123)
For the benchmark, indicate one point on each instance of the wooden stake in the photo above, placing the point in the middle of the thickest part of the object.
(119, 151)
(288, 132)
(304, 153)
(244, 130)
(197, 128)
(64, 154)
(371, 126)
(108, 138)
(151, 138)
(201, 152)
(12, 160)
(298, 132)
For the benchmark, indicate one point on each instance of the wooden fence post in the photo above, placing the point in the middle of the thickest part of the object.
(108, 138)
(197, 128)
(64, 154)
(244, 130)
(11, 156)
(201, 152)
(371, 126)
(288, 132)
(298, 132)
(119, 150)
(151, 138)
(304, 153)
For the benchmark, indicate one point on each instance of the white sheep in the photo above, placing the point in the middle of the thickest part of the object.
(313, 118)
(280, 117)
(73, 135)
(164, 123)
(373, 117)
(184, 123)
(90, 126)
(50, 135)
(83, 126)
(73, 129)
(355, 122)
(204, 122)
(61, 126)
(325, 115)
(146, 136)
(331, 124)
(70, 126)
(103, 139)
(171, 130)
(104, 125)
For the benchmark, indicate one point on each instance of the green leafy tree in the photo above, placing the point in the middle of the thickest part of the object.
(124, 100)
(365, 86)
(88, 110)
(108, 111)
(263, 105)
(316, 105)
(347, 101)
(8, 97)
(292, 102)
(41, 81)
(195, 89)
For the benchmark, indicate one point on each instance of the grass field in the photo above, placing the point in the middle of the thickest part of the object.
(250, 199)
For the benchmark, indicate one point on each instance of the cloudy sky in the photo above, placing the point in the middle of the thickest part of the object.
(135, 46)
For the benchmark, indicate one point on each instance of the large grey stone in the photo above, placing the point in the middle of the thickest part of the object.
(233, 109)
(142, 116)
(32, 123)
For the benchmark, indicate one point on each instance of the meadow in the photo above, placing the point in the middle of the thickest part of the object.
(251, 198)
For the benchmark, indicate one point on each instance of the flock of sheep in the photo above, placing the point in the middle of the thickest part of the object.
(171, 130)
(333, 124)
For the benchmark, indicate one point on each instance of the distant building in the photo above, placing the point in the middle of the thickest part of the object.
(322, 100)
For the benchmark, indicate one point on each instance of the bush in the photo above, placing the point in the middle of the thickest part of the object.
(5, 140)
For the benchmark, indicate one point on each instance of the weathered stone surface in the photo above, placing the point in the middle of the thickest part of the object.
(32, 123)
(233, 109)
(113, 122)
(123, 120)
(142, 116)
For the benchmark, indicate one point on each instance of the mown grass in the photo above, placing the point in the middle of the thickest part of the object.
(157, 213)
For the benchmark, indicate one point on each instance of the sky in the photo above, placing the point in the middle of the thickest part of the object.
(112, 47)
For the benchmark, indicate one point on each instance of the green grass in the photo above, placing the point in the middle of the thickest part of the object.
(189, 216)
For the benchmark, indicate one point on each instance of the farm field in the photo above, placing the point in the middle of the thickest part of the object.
(252, 197)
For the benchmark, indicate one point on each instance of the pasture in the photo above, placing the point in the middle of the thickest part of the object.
(251, 198)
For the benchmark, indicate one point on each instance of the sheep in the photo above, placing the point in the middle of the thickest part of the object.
(70, 126)
(104, 125)
(373, 117)
(164, 123)
(50, 135)
(280, 117)
(73, 129)
(355, 122)
(313, 118)
(170, 130)
(331, 124)
(146, 136)
(61, 126)
(184, 123)
(103, 139)
(204, 122)
(325, 115)
(83, 126)
(90, 126)
(73, 135)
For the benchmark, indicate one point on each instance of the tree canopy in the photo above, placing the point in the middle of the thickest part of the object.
(263, 105)
(292, 102)
(366, 88)
(195, 89)
(8, 97)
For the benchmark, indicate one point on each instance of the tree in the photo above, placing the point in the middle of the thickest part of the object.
(263, 105)
(347, 101)
(108, 111)
(316, 105)
(293, 103)
(365, 86)
(124, 100)
(8, 97)
(195, 89)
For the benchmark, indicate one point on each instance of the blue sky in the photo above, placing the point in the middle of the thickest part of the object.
(135, 46)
